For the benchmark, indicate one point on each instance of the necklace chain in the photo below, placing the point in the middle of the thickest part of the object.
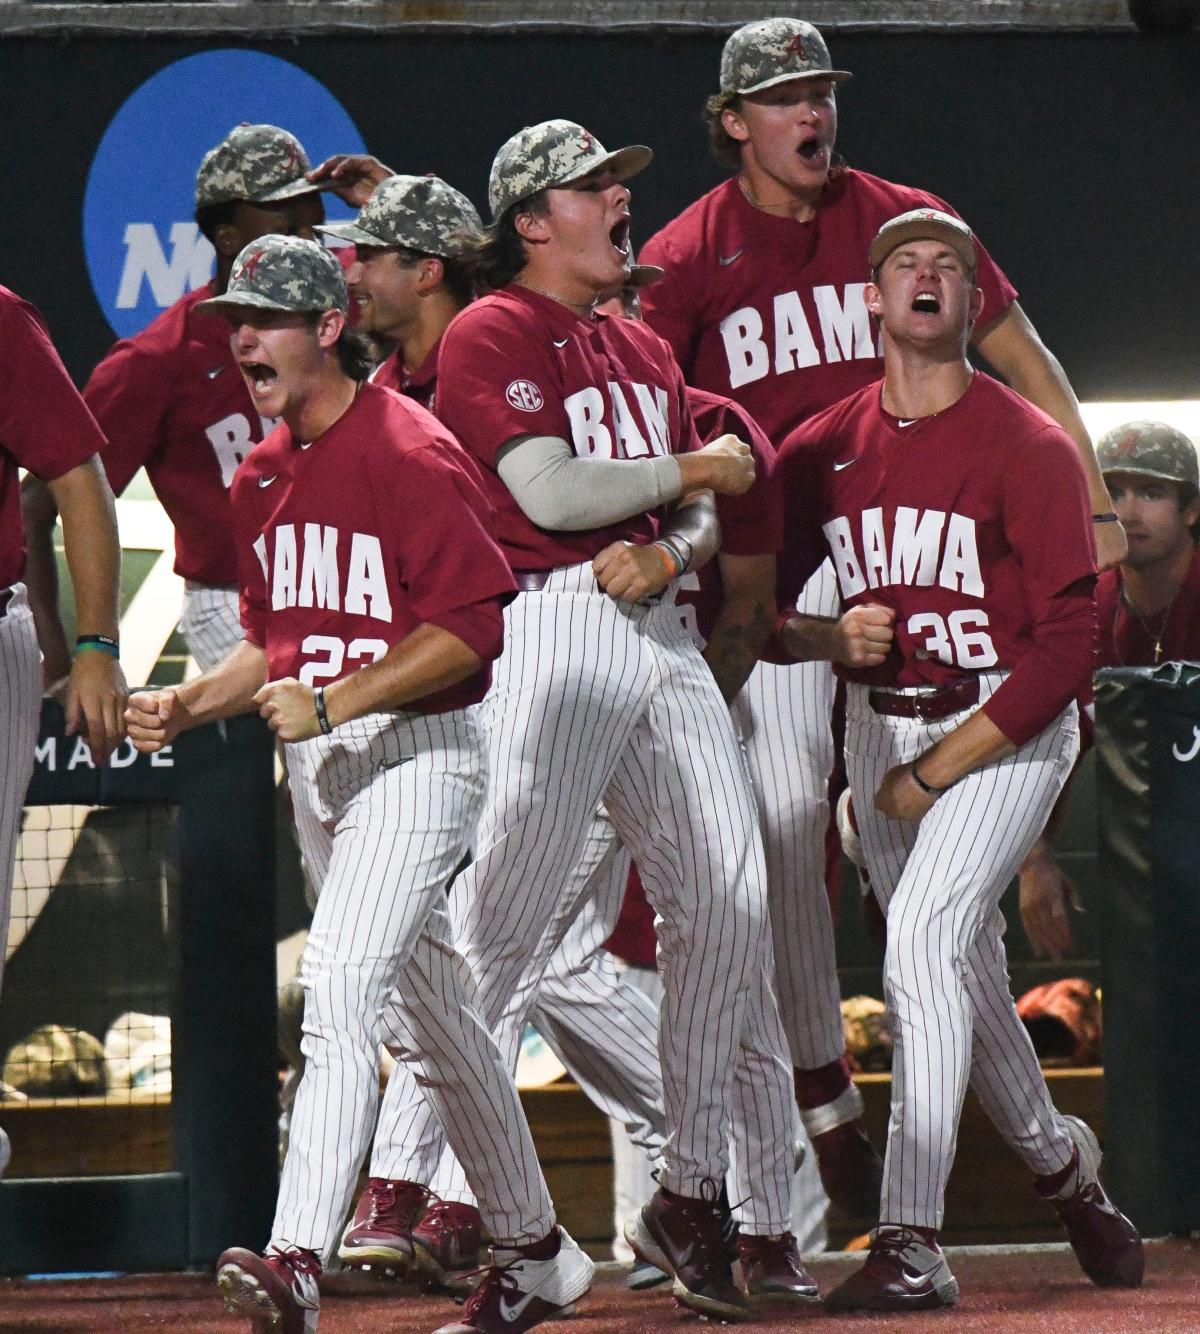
(554, 296)
(1161, 633)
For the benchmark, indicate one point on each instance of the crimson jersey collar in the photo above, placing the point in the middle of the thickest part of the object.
(559, 318)
(918, 424)
(835, 188)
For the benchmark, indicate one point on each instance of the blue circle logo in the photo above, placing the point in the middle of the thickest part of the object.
(143, 249)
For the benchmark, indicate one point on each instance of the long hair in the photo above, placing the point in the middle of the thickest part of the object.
(495, 260)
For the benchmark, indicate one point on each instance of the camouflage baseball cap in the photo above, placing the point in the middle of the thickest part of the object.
(771, 51)
(417, 212)
(283, 273)
(924, 224)
(260, 164)
(556, 152)
(1149, 449)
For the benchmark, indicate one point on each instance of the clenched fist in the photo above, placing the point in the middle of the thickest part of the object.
(729, 469)
(864, 635)
(154, 718)
(289, 708)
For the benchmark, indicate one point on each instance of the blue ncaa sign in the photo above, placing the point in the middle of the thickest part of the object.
(143, 248)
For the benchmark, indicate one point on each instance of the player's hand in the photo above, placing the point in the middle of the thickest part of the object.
(289, 708)
(730, 466)
(352, 176)
(154, 718)
(899, 797)
(1045, 893)
(95, 703)
(630, 573)
(864, 635)
(1112, 545)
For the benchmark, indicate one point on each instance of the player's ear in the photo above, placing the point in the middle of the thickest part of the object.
(430, 273)
(330, 324)
(734, 126)
(873, 299)
(227, 240)
(531, 227)
(976, 307)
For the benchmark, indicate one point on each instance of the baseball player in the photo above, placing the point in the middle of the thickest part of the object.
(582, 427)
(763, 302)
(46, 428)
(372, 636)
(961, 512)
(408, 279)
(170, 398)
(1148, 610)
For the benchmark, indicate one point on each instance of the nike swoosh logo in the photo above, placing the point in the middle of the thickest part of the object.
(212, 375)
(912, 421)
(837, 467)
(915, 1281)
(563, 343)
(724, 260)
(513, 1312)
(385, 765)
(264, 482)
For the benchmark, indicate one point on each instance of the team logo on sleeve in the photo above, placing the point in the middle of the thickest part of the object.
(525, 395)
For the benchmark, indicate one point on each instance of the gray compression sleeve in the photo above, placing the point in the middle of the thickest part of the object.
(559, 491)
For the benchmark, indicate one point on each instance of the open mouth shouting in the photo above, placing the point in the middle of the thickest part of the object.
(260, 377)
(812, 151)
(618, 235)
(926, 303)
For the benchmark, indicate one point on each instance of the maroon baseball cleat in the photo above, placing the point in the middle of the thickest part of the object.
(684, 1237)
(851, 1169)
(278, 1291)
(1105, 1242)
(772, 1269)
(905, 1271)
(446, 1246)
(379, 1236)
(517, 1292)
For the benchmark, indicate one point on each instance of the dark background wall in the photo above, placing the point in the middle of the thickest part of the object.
(1073, 155)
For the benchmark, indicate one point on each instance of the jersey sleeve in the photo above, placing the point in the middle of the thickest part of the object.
(752, 523)
(44, 423)
(447, 550)
(668, 306)
(252, 574)
(129, 394)
(496, 381)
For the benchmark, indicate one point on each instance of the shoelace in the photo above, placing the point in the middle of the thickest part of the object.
(439, 1219)
(895, 1241)
(753, 1248)
(496, 1281)
(296, 1260)
(708, 1221)
(384, 1199)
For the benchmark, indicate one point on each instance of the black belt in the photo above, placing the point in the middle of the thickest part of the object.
(930, 706)
(6, 596)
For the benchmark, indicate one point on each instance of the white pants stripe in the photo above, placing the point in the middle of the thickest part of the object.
(20, 706)
(385, 809)
(945, 972)
(211, 623)
(593, 699)
(784, 714)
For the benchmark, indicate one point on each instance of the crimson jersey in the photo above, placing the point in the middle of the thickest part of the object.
(968, 523)
(751, 524)
(1125, 640)
(516, 363)
(770, 311)
(172, 399)
(343, 551)
(420, 384)
(44, 424)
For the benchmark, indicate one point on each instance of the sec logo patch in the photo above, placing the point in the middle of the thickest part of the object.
(524, 394)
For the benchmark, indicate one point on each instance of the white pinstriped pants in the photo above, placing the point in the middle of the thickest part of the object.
(385, 809)
(20, 707)
(945, 973)
(211, 623)
(784, 714)
(598, 700)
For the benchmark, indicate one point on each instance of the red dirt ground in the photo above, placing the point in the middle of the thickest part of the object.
(1034, 1290)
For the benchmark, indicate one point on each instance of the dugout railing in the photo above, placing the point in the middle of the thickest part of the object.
(216, 1173)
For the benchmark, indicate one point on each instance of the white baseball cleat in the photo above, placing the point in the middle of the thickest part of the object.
(517, 1292)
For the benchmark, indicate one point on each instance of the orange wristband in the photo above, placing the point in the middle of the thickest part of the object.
(665, 557)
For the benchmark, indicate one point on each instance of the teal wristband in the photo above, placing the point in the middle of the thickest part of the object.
(101, 643)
